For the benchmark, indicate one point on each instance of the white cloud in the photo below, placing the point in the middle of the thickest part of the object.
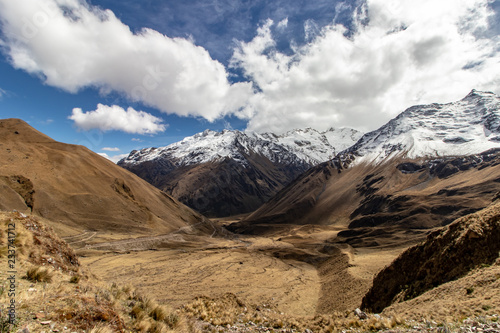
(409, 53)
(136, 140)
(283, 24)
(111, 149)
(107, 118)
(4, 93)
(74, 45)
(311, 29)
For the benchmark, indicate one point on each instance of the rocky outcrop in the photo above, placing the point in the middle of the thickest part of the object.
(447, 254)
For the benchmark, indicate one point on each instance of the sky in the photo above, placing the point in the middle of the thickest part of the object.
(122, 75)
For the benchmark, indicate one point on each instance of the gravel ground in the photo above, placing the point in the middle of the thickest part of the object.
(488, 324)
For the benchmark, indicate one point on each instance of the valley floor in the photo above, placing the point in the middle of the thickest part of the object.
(300, 274)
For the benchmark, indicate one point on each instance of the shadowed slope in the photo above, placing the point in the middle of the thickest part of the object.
(219, 188)
(382, 204)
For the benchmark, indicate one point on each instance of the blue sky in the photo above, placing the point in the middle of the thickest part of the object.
(122, 75)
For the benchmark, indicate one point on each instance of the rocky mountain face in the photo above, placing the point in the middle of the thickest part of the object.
(80, 190)
(467, 127)
(422, 170)
(232, 172)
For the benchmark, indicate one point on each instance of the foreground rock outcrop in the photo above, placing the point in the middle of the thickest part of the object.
(448, 254)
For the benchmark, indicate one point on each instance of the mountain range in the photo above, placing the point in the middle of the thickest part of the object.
(233, 172)
(423, 169)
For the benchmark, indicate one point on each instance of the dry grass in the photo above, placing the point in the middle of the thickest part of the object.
(23, 238)
(229, 310)
(101, 328)
(39, 274)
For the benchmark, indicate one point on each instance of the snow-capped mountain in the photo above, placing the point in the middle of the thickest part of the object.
(233, 172)
(300, 146)
(467, 127)
(445, 163)
(316, 147)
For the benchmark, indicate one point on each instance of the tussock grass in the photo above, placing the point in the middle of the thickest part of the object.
(158, 313)
(137, 312)
(39, 274)
(228, 310)
(158, 327)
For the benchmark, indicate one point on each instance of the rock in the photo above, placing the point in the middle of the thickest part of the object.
(45, 322)
(39, 315)
(361, 315)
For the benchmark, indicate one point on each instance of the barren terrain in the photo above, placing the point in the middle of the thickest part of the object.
(298, 273)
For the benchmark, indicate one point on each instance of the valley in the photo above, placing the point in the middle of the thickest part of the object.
(295, 273)
(384, 226)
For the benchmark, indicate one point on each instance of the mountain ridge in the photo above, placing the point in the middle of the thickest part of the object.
(466, 127)
(233, 172)
(308, 145)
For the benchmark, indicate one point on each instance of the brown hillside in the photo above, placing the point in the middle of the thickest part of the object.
(79, 189)
(446, 255)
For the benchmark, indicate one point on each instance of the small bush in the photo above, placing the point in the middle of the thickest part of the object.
(486, 307)
(39, 274)
(75, 279)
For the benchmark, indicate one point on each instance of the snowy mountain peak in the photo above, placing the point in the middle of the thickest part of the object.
(469, 126)
(301, 146)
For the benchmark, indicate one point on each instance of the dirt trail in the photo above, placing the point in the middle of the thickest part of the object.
(79, 241)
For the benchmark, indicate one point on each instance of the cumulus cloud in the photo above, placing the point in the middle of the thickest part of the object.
(73, 45)
(401, 53)
(111, 149)
(107, 118)
(398, 53)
